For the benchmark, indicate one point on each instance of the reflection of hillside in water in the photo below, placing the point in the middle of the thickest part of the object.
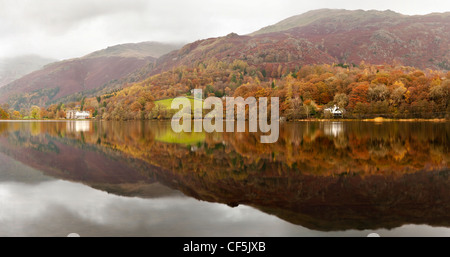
(326, 176)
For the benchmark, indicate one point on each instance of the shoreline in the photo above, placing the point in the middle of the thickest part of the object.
(375, 120)
(45, 120)
(283, 121)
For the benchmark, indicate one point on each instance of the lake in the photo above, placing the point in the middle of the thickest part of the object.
(142, 179)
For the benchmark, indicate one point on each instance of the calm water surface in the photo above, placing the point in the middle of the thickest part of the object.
(141, 179)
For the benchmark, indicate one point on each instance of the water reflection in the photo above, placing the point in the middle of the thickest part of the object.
(58, 208)
(353, 176)
(333, 128)
(78, 126)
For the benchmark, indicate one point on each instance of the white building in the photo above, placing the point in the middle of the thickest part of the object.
(77, 115)
(82, 115)
(336, 111)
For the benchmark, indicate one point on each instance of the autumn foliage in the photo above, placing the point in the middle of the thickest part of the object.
(3, 115)
(364, 91)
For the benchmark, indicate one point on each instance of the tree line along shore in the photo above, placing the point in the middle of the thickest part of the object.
(363, 92)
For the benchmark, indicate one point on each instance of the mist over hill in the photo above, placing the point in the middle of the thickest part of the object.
(16, 67)
(65, 78)
(322, 36)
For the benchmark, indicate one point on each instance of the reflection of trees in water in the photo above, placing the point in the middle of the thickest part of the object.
(302, 147)
(366, 177)
(363, 148)
(307, 147)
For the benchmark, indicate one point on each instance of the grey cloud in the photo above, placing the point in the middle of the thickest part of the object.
(58, 208)
(72, 28)
(59, 16)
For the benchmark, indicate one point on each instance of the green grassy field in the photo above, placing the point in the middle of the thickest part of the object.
(183, 138)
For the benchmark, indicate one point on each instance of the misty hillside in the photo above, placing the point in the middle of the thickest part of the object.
(317, 37)
(350, 18)
(139, 50)
(14, 68)
(376, 37)
(75, 76)
(330, 36)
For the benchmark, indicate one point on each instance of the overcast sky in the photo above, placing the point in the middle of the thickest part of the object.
(64, 29)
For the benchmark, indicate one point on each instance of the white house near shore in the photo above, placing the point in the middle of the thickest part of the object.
(77, 115)
(335, 111)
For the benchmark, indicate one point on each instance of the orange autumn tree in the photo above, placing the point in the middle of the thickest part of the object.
(3, 115)
(358, 94)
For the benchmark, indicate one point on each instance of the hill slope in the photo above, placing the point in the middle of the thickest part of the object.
(327, 36)
(140, 50)
(69, 77)
(373, 36)
(257, 50)
(317, 37)
(14, 68)
(351, 18)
